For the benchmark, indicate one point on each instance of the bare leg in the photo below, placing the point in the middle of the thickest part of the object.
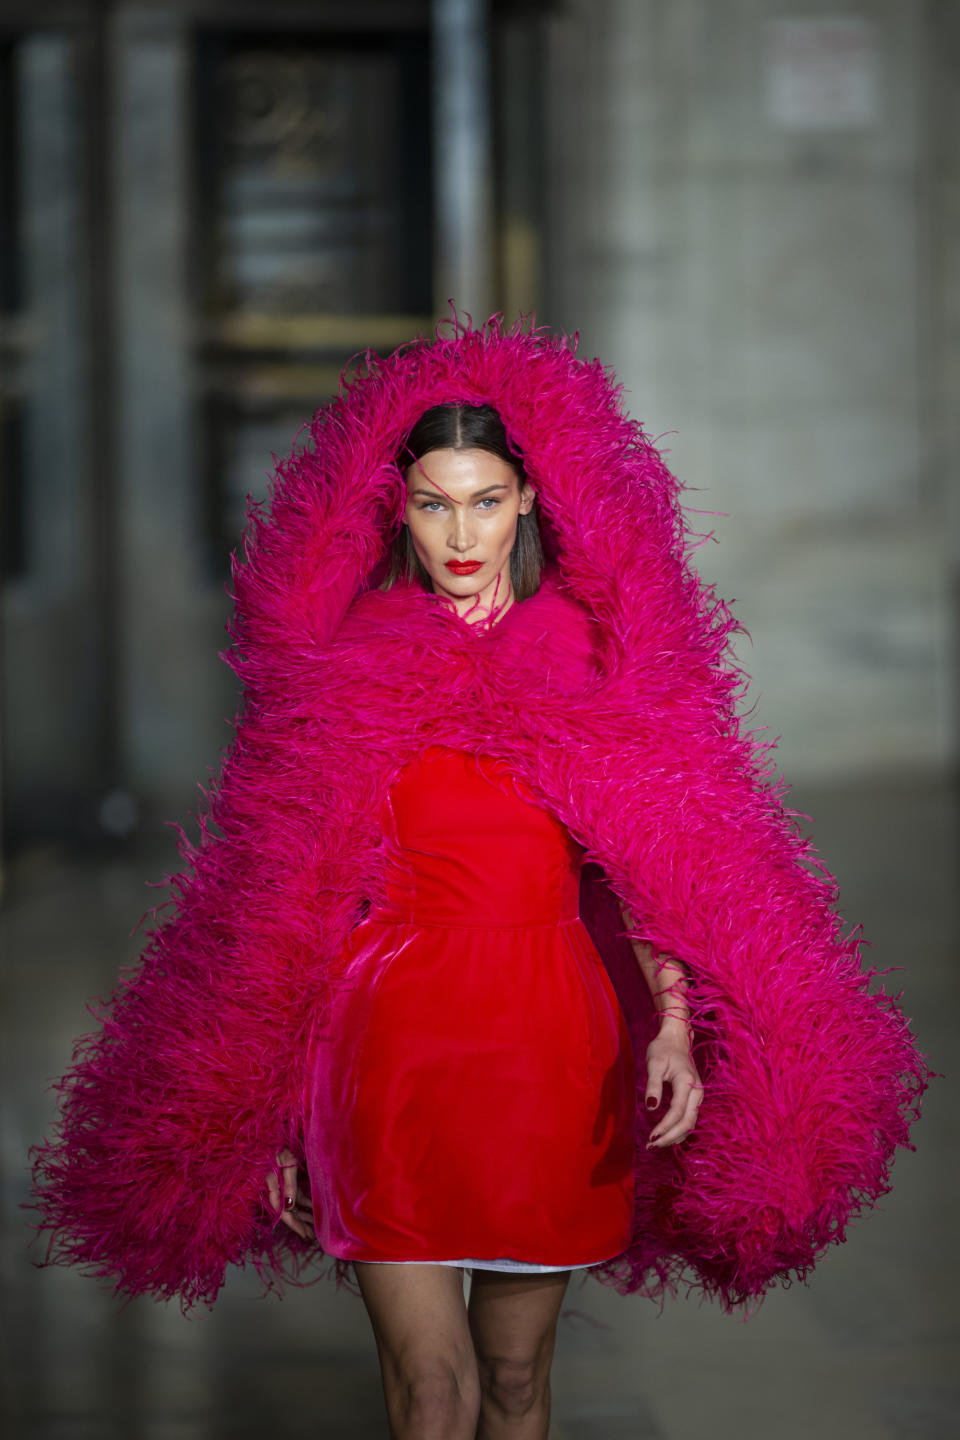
(427, 1361)
(513, 1321)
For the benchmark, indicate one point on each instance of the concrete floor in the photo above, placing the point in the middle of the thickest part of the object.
(866, 1351)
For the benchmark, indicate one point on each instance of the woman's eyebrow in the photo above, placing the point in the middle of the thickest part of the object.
(435, 495)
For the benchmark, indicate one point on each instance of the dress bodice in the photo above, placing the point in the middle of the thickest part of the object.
(467, 843)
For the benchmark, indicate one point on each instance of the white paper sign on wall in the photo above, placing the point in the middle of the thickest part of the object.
(821, 73)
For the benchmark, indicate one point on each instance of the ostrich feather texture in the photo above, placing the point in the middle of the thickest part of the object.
(614, 694)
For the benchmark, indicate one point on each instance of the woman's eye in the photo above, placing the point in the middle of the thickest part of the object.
(434, 505)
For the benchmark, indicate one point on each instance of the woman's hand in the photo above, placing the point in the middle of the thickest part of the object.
(669, 1059)
(293, 1208)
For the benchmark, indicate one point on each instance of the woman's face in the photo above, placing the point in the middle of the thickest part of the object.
(462, 508)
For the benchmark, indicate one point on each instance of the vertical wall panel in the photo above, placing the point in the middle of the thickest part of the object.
(174, 692)
(51, 694)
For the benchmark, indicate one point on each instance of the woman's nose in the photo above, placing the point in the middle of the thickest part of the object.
(461, 533)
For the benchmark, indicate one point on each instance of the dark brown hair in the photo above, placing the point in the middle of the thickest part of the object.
(467, 427)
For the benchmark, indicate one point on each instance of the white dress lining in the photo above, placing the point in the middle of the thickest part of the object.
(518, 1266)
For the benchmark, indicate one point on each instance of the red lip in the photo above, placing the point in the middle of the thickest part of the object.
(464, 567)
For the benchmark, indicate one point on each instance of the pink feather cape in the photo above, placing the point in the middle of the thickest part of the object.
(612, 692)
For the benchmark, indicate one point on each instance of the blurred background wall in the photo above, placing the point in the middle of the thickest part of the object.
(750, 208)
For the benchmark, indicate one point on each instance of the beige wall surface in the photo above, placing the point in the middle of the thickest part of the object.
(754, 207)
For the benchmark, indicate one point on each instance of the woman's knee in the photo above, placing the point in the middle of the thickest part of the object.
(436, 1398)
(513, 1386)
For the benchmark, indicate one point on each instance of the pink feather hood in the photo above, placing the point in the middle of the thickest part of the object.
(613, 694)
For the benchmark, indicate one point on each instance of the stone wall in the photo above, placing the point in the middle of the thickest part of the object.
(755, 214)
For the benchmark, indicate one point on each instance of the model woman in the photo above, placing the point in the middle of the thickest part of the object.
(488, 959)
(397, 1005)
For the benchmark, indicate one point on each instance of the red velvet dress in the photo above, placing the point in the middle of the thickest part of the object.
(472, 1095)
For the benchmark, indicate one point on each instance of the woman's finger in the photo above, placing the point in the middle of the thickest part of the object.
(656, 1075)
(288, 1165)
(680, 1088)
(284, 1195)
(671, 1129)
(683, 1108)
(273, 1191)
(300, 1221)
